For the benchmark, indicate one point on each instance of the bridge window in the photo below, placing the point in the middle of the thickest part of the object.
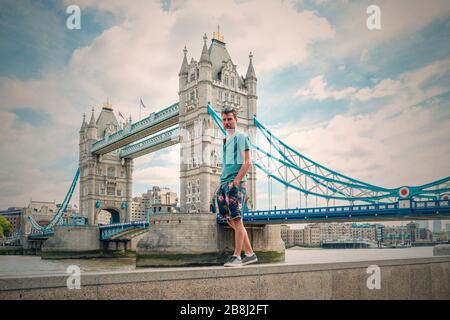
(219, 95)
(111, 172)
(192, 77)
(226, 96)
(232, 98)
(192, 97)
(99, 171)
(238, 100)
(119, 192)
(102, 189)
(225, 80)
(232, 82)
(111, 190)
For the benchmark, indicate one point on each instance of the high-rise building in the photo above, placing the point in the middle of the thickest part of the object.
(155, 200)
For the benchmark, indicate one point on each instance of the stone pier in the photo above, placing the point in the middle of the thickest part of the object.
(176, 239)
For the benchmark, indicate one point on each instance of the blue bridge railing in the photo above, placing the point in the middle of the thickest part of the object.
(400, 210)
(110, 231)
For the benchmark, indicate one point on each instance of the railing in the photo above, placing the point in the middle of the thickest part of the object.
(153, 141)
(110, 230)
(153, 119)
(368, 211)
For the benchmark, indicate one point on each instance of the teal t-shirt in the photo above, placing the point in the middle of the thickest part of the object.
(232, 156)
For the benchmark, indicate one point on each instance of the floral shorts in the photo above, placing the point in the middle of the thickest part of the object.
(231, 200)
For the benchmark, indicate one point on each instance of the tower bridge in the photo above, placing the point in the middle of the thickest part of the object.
(107, 150)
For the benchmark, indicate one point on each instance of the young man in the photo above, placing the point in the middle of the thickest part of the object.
(232, 190)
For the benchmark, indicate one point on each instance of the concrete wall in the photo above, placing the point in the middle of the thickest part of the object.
(72, 242)
(426, 278)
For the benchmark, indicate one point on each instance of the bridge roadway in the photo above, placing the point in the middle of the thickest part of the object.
(402, 210)
(156, 122)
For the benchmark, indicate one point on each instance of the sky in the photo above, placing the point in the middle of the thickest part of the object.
(372, 104)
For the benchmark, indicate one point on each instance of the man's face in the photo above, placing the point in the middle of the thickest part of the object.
(228, 121)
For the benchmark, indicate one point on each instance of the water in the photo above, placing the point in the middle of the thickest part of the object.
(21, 266)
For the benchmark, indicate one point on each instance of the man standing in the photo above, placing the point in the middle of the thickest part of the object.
(231, 194)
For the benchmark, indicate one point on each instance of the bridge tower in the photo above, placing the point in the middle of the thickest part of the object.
(105, 180)
(214, 78)
(194, 237)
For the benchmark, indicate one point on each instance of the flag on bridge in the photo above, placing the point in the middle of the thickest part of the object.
(120, 115)
(142, 103)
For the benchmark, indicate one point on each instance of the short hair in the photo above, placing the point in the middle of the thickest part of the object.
(228, 109)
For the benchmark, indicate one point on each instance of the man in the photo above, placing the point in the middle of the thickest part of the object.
(231, 194)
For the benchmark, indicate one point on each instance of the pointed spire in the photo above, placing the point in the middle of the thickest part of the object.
(205, 54)
(184, 65)
(250, 71)
(83, 124)
(92, 121)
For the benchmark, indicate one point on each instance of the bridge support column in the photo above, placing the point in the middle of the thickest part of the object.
(177, 239)
(72, 242)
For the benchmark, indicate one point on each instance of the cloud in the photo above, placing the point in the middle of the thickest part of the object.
(317, 90)
(158, 175)
(410, 83)
(403, 140)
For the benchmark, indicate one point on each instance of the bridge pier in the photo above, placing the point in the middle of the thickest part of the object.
(72, 242)
(176, 239)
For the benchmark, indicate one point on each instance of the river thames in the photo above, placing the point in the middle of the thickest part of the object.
(22, 266)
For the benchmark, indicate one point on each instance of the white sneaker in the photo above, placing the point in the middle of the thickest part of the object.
(233, 261)
(249, 259)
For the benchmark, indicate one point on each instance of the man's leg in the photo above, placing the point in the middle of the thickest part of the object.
(247, 246)
(239, 234)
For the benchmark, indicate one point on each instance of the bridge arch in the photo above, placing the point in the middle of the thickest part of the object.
(115, 215)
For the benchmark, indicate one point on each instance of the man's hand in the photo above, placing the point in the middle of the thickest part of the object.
(236, 183)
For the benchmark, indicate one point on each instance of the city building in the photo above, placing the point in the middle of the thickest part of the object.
(397, 234)
(291, 237)
(13, 215)
(155, 200)
(437, 226)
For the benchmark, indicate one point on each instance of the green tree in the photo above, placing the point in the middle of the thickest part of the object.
(5, 226)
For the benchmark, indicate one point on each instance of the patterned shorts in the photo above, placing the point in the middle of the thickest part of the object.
(231, 200)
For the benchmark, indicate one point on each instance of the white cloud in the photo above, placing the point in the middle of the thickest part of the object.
(409, 83)
(158, 175)
(405, 141)
(317, 90)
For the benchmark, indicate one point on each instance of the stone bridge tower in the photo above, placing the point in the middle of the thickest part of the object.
(105, 180)
(194, 237)
(214, 78)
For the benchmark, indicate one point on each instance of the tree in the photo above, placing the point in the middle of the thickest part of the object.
(5, 226)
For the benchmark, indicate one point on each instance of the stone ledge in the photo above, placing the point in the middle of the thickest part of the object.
(441, 250)
(173, 274)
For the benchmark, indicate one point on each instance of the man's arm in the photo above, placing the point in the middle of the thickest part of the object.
(244, 168)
